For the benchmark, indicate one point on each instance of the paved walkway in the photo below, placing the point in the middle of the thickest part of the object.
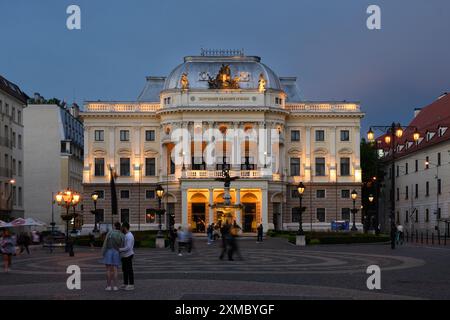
(274, 269)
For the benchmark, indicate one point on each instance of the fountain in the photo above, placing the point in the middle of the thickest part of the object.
(226, 207)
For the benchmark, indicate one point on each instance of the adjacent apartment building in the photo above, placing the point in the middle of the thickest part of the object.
(181, 132)
(422, 172)
(12, 105)
(54, 154)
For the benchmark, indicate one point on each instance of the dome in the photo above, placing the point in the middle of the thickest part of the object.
(200, 68)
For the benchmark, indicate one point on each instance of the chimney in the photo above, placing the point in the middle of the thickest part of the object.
(417, 111)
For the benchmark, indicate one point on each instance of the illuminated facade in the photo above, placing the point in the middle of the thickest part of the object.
(223, 110)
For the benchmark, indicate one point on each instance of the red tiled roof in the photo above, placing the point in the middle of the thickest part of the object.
(429, 119)
(13, 90)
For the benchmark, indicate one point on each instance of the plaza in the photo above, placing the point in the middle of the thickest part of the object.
(274, 270)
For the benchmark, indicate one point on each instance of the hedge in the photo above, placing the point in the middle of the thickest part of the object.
(142, 239)
(332, 237)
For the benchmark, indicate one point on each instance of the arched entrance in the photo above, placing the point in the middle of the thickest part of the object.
(197, 212)
(250, 217)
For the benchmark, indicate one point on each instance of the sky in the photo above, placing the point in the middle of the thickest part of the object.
(325, 43)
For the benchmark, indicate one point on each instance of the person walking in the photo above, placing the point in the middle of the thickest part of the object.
(400, 236)
(127, 255)
(260, 230)
(172, 238)
(209, 233)
(24, 241)
(225, 234)
(8, 249)
(111, 258)
(181, 234)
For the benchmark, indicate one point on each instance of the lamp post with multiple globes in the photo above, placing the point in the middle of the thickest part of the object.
(68, 199)
(354, 210)
(160, 194)
(94, 197)
(300, 190)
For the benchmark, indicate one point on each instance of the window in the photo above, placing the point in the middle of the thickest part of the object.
(14, 167)
(99, 135)
(345, 194)
(406, 216)
(149, 135)
(294, 193)
(406, 168)
(100, 215)
(100, 193)
(295, 166)
(439, 159)
(439, 186)
(345, 135)
(320, 167)
(125, 167)
(19, 117)
(296, 214)
(150, 194)
(14, 195)
(124, 135)
(124, 194)
(172, 166)
(406, 193)
(427, 189)
(320, 194)
(295, 135)
(99, 168)
(320, 214)
(20, 169)
(14, 139)
(320, 135)
(345, 166)
(150, 166)
(427, 162)
(124, 215)
(416, 192)
(150, 216)
(417, 215)
(398, 194)
(19, 141)
(345, 214)
(438, 214)
(427, 215)
(398, 171)
(417, 165)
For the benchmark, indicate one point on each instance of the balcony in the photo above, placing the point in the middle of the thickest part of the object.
(124, 107)
(213, 174)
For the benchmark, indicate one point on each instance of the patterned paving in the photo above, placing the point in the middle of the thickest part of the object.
(258, 259)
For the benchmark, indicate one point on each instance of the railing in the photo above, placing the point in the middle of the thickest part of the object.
(5, 172)
(324, 107)
(198, 174)
(5, 142)
(122, 107)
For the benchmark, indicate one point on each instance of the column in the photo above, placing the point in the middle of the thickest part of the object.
(112, 148)
(238, 211)
(357, 159)
(211, 210)
(87, 157)
(184, 207)
(264, 209)
(333, 159)
(307, 153)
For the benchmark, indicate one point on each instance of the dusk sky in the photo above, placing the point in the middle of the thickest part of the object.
(325, 43)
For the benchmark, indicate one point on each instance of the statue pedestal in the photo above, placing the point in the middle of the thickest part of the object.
(300, 241)
(160, 243)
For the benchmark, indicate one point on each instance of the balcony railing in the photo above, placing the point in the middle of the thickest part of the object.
(199, 174)
(5, 172)
(121, 107)
(323, 107)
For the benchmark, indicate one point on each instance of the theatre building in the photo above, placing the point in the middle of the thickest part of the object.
(222, 110)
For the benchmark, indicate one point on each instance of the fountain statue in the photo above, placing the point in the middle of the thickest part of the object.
(226, 208)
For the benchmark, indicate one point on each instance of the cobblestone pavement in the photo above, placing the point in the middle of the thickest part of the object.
(274, 269)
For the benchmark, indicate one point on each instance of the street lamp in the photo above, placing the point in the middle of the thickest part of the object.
(159, 194)
(94, 197)
(354, 210)
(300, 190)
(68, 199)
(392, 133)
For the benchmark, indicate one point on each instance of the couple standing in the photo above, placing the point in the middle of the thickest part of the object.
(118, 245)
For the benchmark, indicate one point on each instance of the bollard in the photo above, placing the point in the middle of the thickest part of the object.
(427, 236)
(417, 236)
(439, 238)
(432, 238)
(421, 237)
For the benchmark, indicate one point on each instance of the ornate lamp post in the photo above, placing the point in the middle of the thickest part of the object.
(354, 210)
(392, 133)
(68, 199)
(94, 197)
(159, 193)
(371, 198)
(300, 190)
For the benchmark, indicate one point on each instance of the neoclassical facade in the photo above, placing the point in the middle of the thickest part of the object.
(215, 111)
